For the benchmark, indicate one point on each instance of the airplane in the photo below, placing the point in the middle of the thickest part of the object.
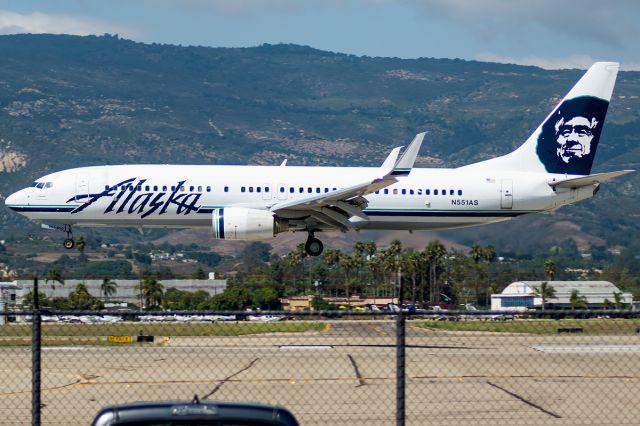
(552, 168)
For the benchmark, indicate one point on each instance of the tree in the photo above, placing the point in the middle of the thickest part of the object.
(434, 253)
(546, 291)
(617, 299)
(27, 300)
(550, 269)
(347, 264)
(81, 299)
(54, 274)
(151, 291)
(200, 274)
(577, 300)
(108, 288)
(476, 253)
(81, 244)
(294, 260)
(489, 253)
(370, 248)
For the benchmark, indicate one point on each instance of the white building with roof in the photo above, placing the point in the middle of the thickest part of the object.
(521, 295)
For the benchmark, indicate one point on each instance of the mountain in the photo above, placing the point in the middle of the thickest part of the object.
(69, 101)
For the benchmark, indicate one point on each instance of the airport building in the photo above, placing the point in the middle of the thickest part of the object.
(521, 295)
(12, 293)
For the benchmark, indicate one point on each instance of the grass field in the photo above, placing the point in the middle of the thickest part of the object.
(17, 331)
(589, 326)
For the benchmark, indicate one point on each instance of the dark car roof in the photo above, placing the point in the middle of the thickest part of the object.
(195, 413)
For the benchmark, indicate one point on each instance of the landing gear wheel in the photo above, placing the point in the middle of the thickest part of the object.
(68, 243)
(313, 246)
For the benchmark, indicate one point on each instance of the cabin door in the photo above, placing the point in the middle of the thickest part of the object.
(82, 187)
(506, 194)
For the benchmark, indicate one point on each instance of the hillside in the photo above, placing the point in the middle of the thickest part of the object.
(70, 101)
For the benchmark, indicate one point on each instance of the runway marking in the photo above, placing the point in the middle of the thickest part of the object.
(577, 349)
(225, 380)
(526, 401)
(294, 347)
(361, 381)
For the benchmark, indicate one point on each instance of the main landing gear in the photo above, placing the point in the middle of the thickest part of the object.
(68, 243)
(313, 246)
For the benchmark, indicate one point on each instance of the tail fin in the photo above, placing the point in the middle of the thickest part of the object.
(566, 141)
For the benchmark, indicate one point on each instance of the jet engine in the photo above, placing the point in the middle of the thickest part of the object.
(241, 223)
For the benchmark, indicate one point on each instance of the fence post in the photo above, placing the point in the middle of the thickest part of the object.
(36, 334)
(400, 360)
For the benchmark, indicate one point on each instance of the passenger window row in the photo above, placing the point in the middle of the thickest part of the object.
(266, 189)
(404, 191)
(164, 188)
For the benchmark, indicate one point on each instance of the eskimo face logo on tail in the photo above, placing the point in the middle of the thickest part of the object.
(569, 138)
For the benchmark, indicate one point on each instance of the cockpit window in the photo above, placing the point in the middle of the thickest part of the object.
(48, 185)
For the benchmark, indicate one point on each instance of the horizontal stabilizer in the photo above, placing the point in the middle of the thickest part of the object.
(587, 180)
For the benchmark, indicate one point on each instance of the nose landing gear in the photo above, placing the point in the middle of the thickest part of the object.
(313, 246)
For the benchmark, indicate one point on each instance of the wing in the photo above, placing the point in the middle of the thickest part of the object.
(335, 208)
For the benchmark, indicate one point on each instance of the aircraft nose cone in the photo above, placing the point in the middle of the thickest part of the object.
(12, 200)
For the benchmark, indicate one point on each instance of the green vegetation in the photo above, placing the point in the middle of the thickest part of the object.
(613, 327)
(14, 331)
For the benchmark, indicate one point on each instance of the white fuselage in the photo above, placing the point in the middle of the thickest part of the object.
(186, 195)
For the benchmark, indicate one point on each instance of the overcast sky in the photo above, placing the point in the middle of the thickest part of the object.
(547, 33)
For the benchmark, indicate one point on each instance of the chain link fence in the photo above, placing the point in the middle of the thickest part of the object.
(338, 368)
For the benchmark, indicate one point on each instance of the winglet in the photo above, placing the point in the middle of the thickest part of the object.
(408, 157)
(391, 159)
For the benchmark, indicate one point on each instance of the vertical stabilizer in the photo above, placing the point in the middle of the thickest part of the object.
(566, 141)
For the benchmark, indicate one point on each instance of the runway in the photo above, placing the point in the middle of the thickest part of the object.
(345, 375)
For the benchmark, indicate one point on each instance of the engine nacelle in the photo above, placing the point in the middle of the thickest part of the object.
(240, 223)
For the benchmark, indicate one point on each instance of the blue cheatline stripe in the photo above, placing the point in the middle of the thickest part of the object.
(41, 209)
(446, 213)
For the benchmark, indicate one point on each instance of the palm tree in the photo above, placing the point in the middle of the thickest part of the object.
(413, 264)
(577, 300)
(331, 258)
(54, 274)
(550, 269)
(80, 298)
(81, 244)
(295, 260)
(108, 288)
(489, 253)
(358, 258)
(434, 253)
(546, 291)
(375, 268)
(476, 254)
(617, 299)
(347, 263)
(370, 248)
(151, 291)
